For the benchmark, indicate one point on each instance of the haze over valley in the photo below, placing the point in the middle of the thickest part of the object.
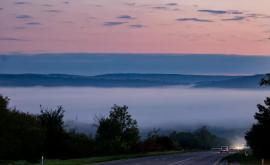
(202, 96)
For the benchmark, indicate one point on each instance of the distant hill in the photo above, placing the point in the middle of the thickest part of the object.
(177, 79)
(251, 82)
(130, 80)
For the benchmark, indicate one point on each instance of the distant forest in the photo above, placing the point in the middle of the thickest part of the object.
(131, 80)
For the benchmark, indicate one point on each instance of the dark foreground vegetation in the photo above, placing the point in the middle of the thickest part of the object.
(92, 159)
(25, 136)
(258, 137)
(243, 158)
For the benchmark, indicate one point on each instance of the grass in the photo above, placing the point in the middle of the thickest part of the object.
(242, 159)
(91, 160)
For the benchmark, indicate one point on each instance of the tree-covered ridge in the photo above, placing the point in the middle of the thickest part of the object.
(131, 80)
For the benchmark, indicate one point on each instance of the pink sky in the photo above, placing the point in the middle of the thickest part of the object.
(135, 26)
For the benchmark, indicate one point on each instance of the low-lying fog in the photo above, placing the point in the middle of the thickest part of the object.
(151, 107)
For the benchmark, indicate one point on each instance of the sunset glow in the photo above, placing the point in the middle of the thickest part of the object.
(141, 26)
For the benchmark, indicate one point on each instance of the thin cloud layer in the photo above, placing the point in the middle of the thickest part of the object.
(137, 26)
(254, 15)
(236, 18)
(172, 4)
(33, 23)
(47, 5)
(11, 39)
(22, 3)
(125, 17)
(113, 23)
(160, 7)
(193, 20)
(213, 11)
(53, 11)
(23, 16)
(220, 12)
(130, 4)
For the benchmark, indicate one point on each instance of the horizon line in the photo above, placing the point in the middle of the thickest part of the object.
(130, 54)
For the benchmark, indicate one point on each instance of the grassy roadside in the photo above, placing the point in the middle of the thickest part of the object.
(91, 160)
(242, 159)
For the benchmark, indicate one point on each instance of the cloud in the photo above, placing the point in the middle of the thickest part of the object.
(33, 23)
(19, 27)
(167, 6)
(160, 7)
(254, 15)
(137, 26)
(53, 11)
(172, 4)
(220, 11)
(22, 3)
(1, 8)
(125, 17)
(113, 23)
(213, 11)
(193, 20)
(236, 18)
(23, 16)
(130, 4)
(47, 5)
(11, 39)
(235, 12)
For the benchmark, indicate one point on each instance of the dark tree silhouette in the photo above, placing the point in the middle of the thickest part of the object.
(201, 138)
(118, 132)
(21, 136)
(265, 80)
(4, 103)
(53, 124)
(258, 138)
(157, 142)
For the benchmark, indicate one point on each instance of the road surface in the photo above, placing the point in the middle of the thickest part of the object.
(195, 158)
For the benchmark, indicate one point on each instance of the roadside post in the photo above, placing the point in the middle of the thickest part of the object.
(262, 161)
(42, 160)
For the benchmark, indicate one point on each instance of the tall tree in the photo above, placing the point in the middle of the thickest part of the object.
(258, 137)
(118, 132)
(53, 124)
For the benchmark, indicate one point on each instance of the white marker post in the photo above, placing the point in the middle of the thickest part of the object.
(42, 160)
(262, 161)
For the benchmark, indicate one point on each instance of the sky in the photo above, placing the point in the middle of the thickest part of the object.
(135, 26)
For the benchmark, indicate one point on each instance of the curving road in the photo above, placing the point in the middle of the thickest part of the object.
(195, 158)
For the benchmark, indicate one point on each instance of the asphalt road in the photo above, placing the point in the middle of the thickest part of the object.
(195, 158)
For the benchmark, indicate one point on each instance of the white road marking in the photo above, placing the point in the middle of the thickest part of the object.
(174, 163)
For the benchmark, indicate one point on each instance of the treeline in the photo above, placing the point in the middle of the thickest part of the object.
(26, 136)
